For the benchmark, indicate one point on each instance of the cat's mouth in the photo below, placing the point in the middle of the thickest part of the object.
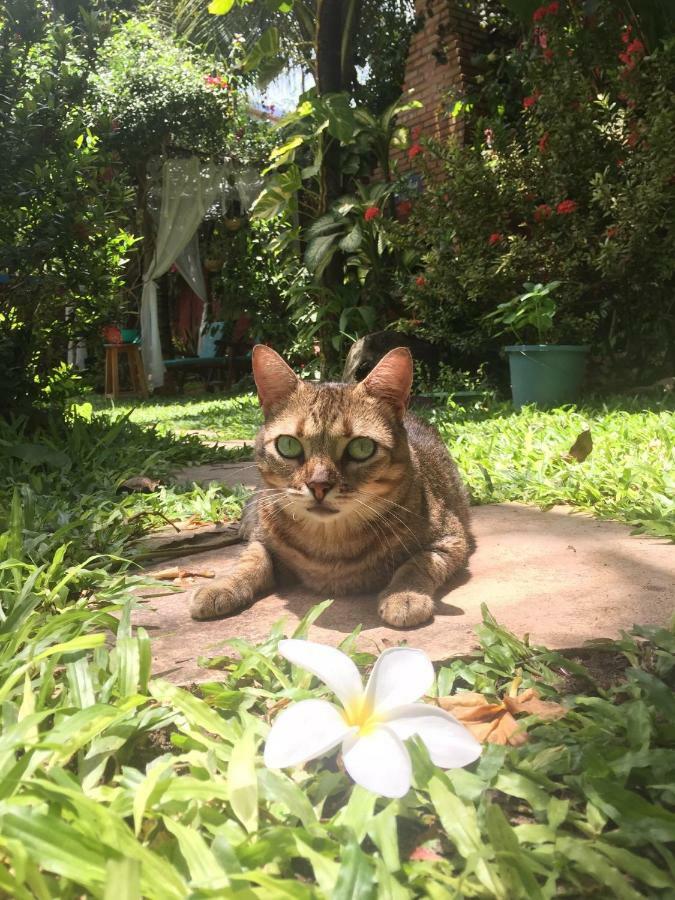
(319, 509)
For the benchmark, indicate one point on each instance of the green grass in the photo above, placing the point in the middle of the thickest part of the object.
(117, 784)
(508, 456)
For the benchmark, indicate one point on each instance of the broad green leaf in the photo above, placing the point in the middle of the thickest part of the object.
(310, 617)
(325, 869)
(636, 866)
(382, 830)
(357, 814)
(197, 713)
(352, 240)
(123, 879)
(242, 782)
(204, 868)
(220, 7)
(57, 846)
(516, 785)
(629, 809)
(154, 774)
(356, 878)
(595, 865)
(279, 788)
(511, 861)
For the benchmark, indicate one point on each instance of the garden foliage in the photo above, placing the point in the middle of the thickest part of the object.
(64, 232)
(569, 177)
(116, 783)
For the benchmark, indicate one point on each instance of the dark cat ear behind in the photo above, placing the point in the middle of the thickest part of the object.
(391, 379)
(275, 380)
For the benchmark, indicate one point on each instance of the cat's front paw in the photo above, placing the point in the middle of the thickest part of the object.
(405, 609)
(217, 601)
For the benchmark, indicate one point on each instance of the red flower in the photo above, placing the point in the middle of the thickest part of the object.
(495, 238)
(612, 231)
(542, 11)
(543, 211)
(414, 150)
(625, 35)
(548, 55)
(529, 102)
(415, 133)
(565, 207)
(372, 213)
(542, 38)
(542, 143)
(420, 281)
(636, 46)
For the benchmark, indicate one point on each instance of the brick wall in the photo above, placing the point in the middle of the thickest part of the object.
(439, 62)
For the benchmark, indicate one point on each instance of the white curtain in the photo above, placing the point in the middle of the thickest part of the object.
(188, 189)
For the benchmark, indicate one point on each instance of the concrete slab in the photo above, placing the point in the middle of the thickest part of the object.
(231, 474)
(561, 578)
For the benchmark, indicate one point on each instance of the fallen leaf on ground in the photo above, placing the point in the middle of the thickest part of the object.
(494, 723)
(581, 448)
(174, 572)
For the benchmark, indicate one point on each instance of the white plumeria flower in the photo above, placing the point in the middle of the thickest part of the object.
(373, 723)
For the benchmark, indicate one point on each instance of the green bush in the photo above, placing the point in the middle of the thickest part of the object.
(62, 197)
(569, 178)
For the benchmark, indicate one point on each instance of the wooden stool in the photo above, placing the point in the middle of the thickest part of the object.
(136, 371)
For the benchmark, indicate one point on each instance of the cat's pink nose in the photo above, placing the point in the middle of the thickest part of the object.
(319, 489)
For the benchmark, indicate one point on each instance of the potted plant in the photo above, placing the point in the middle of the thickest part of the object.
(543, 373)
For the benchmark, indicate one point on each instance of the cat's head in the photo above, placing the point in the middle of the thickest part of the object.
(330, 452)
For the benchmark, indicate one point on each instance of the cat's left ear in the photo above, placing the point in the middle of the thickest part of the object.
(391, 379)
(274, 379)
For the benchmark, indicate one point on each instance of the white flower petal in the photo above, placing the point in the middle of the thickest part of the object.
(401, 675)
(304, 731)
(449, 743)
(329, 664)
(378, 762)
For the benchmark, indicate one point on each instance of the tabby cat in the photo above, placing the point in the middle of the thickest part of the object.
(360, 496)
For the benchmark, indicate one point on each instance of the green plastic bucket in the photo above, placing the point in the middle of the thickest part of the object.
(546, 374)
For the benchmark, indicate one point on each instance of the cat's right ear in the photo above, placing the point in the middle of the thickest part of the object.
(274, 379)
(391, 379)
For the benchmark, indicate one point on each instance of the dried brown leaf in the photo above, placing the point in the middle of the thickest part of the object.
(530, 702)
(174, 573)
(494, 723)
(581, 448)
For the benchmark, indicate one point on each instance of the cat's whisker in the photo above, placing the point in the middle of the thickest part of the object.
(381, 520)
(379, 533)
(391, 513)
(387, 500)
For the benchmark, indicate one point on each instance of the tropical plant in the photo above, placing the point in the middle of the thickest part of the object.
(353, 238)
(534, 309)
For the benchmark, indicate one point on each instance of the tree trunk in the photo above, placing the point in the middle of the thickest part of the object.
(332, 18)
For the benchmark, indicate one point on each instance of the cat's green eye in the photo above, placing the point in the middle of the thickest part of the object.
(361, 448)
(288, 446)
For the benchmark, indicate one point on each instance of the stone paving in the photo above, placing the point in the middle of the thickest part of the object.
(560, 577)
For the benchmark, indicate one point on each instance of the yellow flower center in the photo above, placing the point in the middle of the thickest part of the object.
(360, 713)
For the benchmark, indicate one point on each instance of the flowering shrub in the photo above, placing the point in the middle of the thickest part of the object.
(569, 179)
